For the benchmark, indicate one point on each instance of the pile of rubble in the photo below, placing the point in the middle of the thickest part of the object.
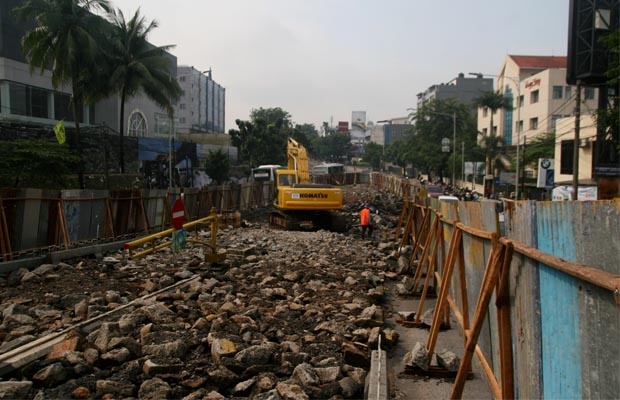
(288, 315)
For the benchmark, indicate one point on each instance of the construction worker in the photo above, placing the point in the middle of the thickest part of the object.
(365, 222)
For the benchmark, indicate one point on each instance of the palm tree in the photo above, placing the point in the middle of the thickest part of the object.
(136, 66)
(64, 40)
(492, 101)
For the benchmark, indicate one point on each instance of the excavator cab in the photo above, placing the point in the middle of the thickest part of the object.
(287, 180)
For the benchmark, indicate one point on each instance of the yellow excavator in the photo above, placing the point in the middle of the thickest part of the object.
(301, 204)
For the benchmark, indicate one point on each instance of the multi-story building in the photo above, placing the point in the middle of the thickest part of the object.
(202, 106)
(28, 97)
(25, 96)
(463, 89)
(389, 131)
(536, 87)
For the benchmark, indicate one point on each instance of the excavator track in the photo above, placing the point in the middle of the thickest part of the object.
(308, 221)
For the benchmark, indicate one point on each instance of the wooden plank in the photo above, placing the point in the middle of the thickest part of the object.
(441, 302)
(488, 285)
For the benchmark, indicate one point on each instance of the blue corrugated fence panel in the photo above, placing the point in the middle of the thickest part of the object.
(559, 305)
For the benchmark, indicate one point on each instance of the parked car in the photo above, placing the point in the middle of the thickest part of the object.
(434, 191)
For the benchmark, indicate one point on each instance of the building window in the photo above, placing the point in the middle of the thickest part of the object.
(520, 126)
(568, 92)
(485, 112)
(182, 106)
(28, 101)
(533, 123)
(557, 92)
(495, 131)
(589, 93)
(137, 125)
(534, 97)
(484, 132)
(182, 120)
(566, 157)
(182, 79)
(521, 101)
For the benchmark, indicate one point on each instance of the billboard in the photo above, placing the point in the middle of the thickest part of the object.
(545, 173)
(358, 124)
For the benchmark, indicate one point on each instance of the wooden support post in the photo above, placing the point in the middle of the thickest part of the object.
(418, 238)
(143, 212)
(424, 256)
(446, 278)
(403, 214)
(429, 275)
(502, 301)
(488, 285)
(63, 224)
(5, 241)
(463, 286)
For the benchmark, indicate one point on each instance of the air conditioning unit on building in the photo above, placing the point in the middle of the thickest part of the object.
(584, 143)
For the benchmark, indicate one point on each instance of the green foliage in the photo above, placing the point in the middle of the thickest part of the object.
(35, 163)
(264, 138)
(335, 147)
(493, 101)
(373, 154)
(421, 146)
(217, 166)
(542, 146)
(65, 37)
(135, 66)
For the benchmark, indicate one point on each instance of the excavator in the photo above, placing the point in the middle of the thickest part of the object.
(301, 204)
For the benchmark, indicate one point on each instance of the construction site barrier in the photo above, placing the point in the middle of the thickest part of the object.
(536, 296)
(36, 221)
(154, 243)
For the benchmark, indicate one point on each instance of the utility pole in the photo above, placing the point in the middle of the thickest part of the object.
(576, 142)
(523, 163)
(462, 163)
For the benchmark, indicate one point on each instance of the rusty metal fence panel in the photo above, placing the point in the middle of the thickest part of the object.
(154, 201)
(525, 305)
(85, 213)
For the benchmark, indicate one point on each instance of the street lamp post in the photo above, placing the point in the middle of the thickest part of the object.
(517, 83)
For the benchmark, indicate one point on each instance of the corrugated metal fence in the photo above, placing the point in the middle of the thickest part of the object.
(538, 304)
(33, 221)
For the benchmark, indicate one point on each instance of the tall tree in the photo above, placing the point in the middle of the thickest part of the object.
(64, 39)
(492, 101)
(136, 67)
(421, 145)
(217, 166)
(263, 140)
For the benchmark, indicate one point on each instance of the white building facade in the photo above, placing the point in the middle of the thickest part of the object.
(540, 98)
(202, 106)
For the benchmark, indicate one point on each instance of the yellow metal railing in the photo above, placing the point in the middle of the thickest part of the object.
(214, 256)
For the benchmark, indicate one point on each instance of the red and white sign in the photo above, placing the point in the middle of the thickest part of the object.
(178, 214)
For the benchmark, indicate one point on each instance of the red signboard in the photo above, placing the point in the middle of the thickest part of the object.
(178, 214)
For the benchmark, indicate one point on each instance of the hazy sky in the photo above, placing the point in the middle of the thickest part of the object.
(320, 60)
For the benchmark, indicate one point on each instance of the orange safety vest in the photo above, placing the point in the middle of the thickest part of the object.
(365, 217)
